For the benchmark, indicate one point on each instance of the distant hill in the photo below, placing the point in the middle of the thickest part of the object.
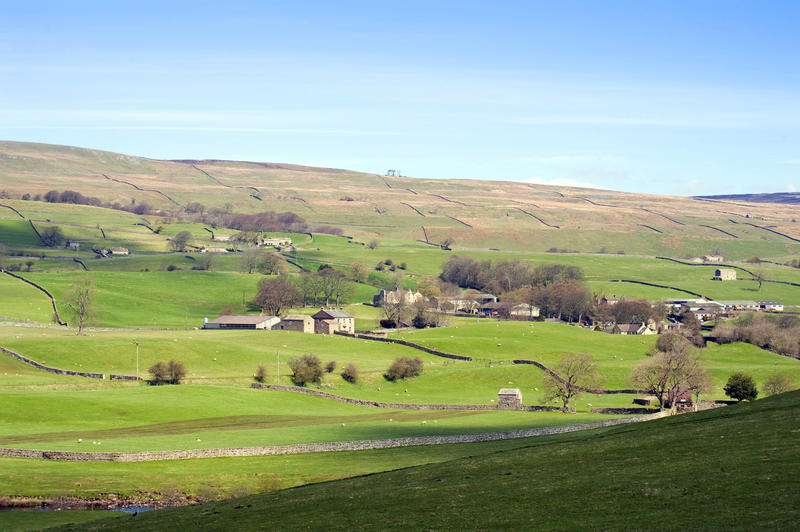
(775, 197)
(476, 214)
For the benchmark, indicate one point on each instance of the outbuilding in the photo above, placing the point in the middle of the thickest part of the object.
(296, 323)
(509, 398)
(241, 322)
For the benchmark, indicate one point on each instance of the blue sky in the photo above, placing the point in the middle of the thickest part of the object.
(664, 97)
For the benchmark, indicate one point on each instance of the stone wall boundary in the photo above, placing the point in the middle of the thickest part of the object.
(57, 371)
(401, 406)
(581, 388)
(303, 448)
(43, 289)
(407, 344)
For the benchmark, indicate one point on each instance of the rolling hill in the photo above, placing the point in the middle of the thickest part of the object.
(499, 215)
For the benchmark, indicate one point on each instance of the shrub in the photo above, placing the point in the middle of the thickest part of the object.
(388, 324)
(330, 366)
(779, 383)
(350, 373)
(261, 373)
(741, 387)
(171, 372)
(306, 368)
(404, 367)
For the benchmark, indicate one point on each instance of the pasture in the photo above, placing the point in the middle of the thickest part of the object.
(642, 476)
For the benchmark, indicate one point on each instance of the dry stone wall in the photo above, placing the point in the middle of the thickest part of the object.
(58, 371)
(407, 344)
(404, 406)
(311, 447)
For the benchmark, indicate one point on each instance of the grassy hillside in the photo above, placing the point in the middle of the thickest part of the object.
(477, 214)
(735, 467)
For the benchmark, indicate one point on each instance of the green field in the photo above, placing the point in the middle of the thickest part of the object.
(735, 467)
(691, 465)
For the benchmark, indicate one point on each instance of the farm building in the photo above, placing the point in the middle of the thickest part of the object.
(724, 274)
(392, 297)
(770, 306)
(519, 311)
(610, 301)
(509, 398)
(296, 323)
(221, 238)
(456, 304)
(241, 322)
(631, 328)
(277, 242)
(344, 321)
(72, 244)
(118, 251)
(484, 298)
(680, 400)
(213, 249)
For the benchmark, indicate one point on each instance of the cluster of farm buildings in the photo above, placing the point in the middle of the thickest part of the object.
(326, 321)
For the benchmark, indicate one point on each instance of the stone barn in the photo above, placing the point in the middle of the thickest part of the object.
(724, 274)
(509, 398)
(296, 323)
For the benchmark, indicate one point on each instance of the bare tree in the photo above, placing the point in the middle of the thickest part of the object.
(179, 241)
(80, 301)
(672, 370)
(573, 374)
(360, 271)
(759, 276)
(276, 295)
(779, 383)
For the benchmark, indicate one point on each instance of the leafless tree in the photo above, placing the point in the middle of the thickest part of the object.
(80, 301)
(672, 370)
(574, 373)
(276, 295)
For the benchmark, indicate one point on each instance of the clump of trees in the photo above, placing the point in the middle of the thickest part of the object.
(76, 198)
(350, 373)
(262, 261)
(276, 295)
(556, 289)
(572, 375)
(673, 369)
(779, 334)
(52, 236)
(330, 367)
(741, 387)
(403, 368)
(305, 369)
(172, 372)
(327, 284)
(268, 221)
(504, 276)
(260, 374)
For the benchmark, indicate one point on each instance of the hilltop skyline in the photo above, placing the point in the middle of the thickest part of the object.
(689, 99)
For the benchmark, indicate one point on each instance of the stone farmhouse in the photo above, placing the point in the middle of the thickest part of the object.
(241, 322)
(631, 329)
(213, 249)
(276, 242)
(329, 321)
(724, 274)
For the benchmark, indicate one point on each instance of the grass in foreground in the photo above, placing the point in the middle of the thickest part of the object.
(736, 467)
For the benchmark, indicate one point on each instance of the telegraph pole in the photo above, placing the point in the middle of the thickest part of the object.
(137, 359)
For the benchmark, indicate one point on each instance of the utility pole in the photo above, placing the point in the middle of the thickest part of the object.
(137, 359)
(278, 369)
